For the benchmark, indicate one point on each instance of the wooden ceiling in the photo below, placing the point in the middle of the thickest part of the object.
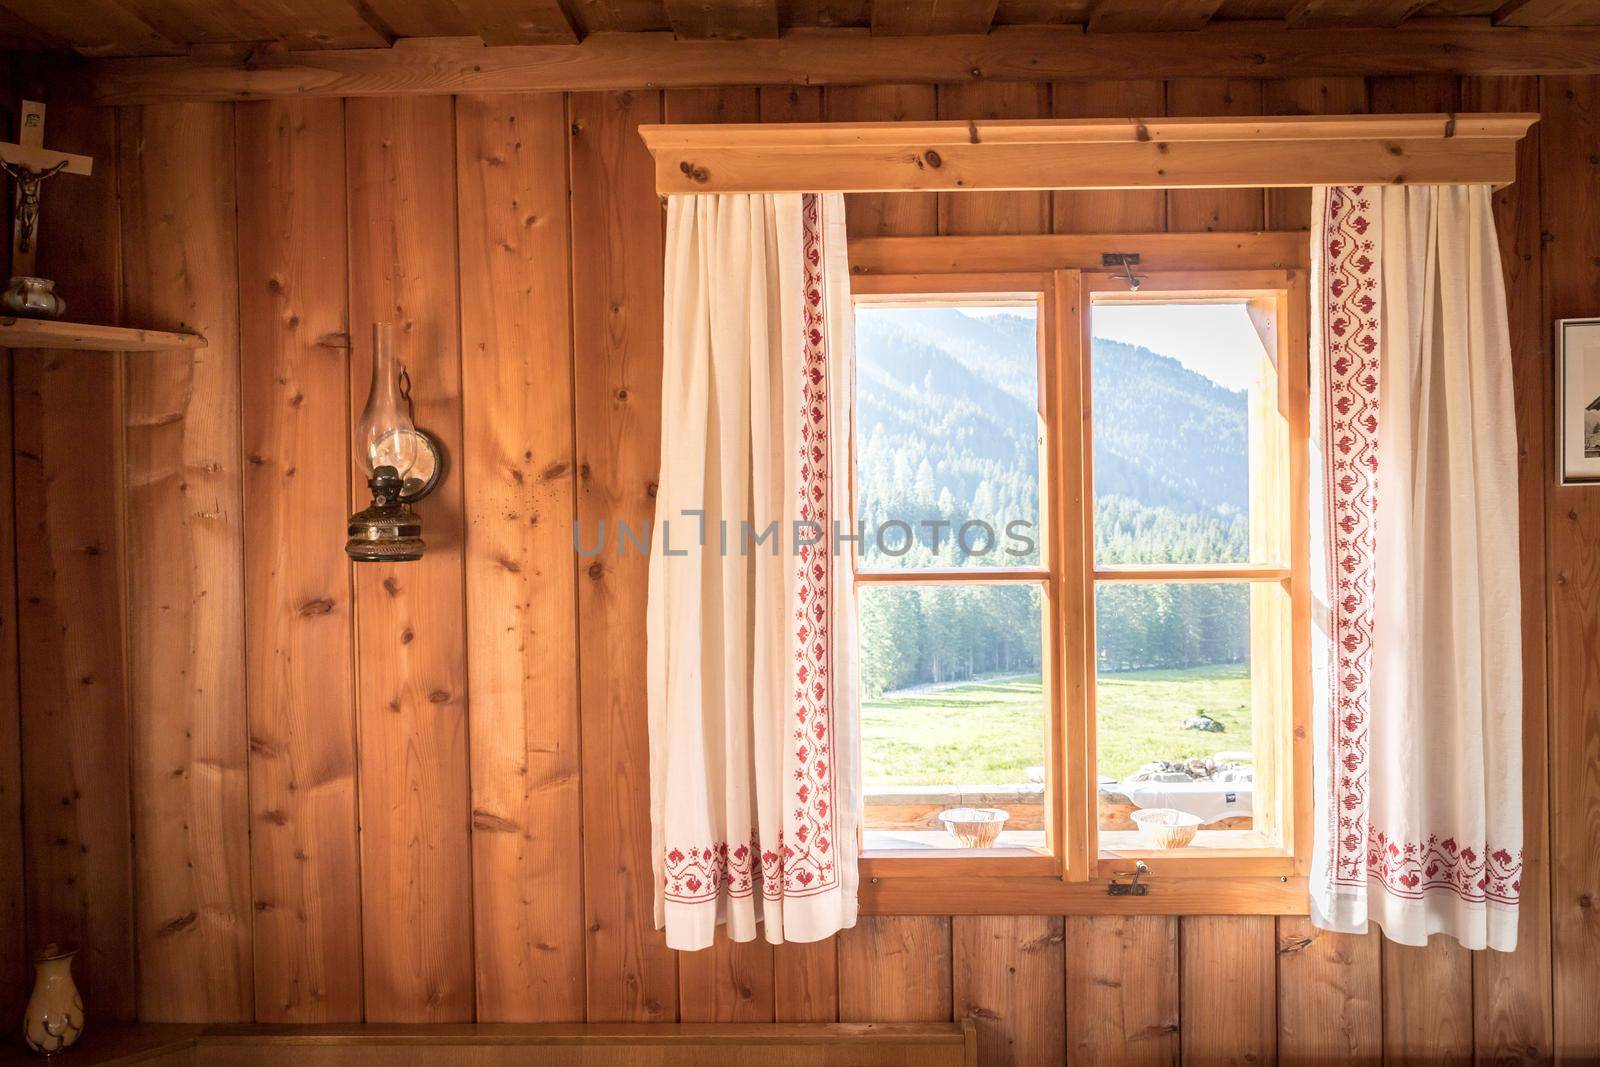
(181, 27)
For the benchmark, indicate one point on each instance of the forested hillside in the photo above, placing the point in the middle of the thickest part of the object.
(948, 438)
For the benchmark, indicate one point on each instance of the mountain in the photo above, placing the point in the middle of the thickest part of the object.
(946, 428)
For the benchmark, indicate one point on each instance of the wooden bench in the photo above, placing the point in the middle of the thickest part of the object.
(514, 1045)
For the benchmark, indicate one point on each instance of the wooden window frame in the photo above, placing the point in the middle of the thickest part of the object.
(1072, 875)
(944, 290)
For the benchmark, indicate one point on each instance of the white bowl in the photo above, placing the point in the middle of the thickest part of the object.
(974, 827)
(1166, 827)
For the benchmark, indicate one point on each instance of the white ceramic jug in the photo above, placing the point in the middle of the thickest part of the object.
(54, 1018)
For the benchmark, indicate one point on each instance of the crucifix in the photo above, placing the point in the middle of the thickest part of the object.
(29, 163)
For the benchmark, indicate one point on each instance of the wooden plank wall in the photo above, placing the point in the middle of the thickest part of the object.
(274, 788)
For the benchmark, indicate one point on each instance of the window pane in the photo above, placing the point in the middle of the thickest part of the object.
(952, 709)
(1174, 701)
(1172, 384)
(947, 435)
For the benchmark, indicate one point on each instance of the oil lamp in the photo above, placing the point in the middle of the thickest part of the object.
(403, 463)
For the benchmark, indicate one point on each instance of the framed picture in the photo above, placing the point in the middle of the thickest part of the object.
(1578, 385)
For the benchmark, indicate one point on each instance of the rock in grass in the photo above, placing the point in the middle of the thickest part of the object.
(1202, 721)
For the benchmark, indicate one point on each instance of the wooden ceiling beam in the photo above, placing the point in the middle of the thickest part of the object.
(723, 20)
(1316, 13)
(834, 57)
(1131, 16)
(926, 18)
(495, 22)
(1548, 13)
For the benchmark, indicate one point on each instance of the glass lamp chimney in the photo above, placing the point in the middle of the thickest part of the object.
(386, 436)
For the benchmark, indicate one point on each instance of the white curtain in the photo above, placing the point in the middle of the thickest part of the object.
(1417, 616)
(753, 722)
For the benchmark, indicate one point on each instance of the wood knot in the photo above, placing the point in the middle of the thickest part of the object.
(694, 173)
(487, 820)
(182, 922)
(932, 159)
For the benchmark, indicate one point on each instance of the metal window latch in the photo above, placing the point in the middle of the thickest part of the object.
(1130, 889)
(1127, 261)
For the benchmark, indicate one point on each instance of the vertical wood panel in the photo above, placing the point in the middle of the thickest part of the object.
(895, 968)
(791, 103)
(1229, 990)
(1003, 212)
(14, 969)
(805, 981)
(711, 105)
(1122, 990)
(1427, 1002)
(411, 699)
(522, 648)
(1113, 210)
(1009, 976)
(1330, 995)
(1570, 179)
(885, 214)
(69, 576)
(730, 982)
(1290, 209)
(616, 322)
(304, 848)
(14, 984)
(1511, 992)
(1214, 209)
(185, 566)
(1413, 93)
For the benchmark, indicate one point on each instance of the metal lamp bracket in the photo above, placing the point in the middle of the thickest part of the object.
(428, 470)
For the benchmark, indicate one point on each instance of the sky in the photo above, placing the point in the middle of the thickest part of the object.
(1215, 340)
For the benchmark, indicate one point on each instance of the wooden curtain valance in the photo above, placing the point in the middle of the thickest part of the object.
(1176, 153)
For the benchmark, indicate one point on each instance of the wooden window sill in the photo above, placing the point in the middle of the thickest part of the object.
(934, 893)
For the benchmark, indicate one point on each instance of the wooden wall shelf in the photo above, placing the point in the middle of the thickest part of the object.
(45, 333)
(1125, 153)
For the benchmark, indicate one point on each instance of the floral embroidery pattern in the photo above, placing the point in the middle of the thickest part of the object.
(808, 860)
(1350, 370)
(1409, 868)
(698, 873)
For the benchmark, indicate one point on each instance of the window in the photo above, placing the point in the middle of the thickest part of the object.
(1081, 582)
(954, 580)
(1194, 419)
